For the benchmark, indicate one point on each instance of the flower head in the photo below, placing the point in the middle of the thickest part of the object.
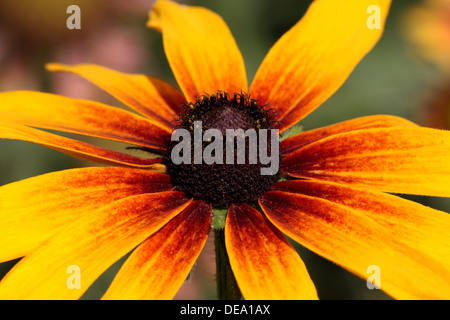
(332, 196)
(427, 26)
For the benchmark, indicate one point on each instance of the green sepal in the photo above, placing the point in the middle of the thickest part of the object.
(292, 131)
(219, 218)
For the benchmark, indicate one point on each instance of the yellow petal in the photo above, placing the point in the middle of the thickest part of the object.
(265, 265)
(297, 141)
(150, 96)
(160, 265)
(426, 27)
(34, 209)
(89, 245)
(314, 58)
(54, 112)
(406, 243)
(412, 160)
(200, 49)
(74, 148)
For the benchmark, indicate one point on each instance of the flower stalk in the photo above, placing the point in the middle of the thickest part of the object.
(227, 287)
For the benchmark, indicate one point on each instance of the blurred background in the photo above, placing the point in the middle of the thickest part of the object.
(406, 74)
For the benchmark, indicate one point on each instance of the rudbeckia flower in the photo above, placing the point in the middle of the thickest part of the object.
(427, 26)
(331, 195)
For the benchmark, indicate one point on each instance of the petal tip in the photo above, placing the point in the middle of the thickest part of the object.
(53, 66)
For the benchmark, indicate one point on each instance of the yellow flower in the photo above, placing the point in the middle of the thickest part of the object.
(335, 202)
(427, 26)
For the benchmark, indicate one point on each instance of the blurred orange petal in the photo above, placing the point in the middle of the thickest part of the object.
(426, 26)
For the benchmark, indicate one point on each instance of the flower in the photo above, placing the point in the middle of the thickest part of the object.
(333, 199)
(427, 26)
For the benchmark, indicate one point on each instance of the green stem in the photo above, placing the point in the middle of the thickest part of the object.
(227, 287)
